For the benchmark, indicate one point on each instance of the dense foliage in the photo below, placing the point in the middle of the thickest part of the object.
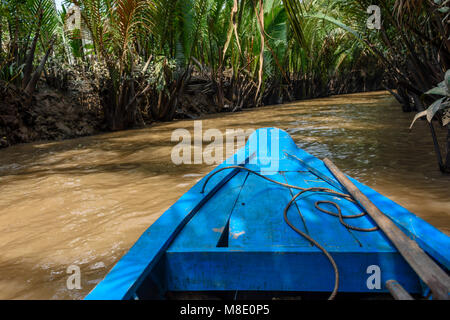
(145, 58)
(247, 50)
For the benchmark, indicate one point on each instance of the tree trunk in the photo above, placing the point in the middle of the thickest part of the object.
(437, 149)
(37, 74)
(1, 35)
(178, 94)
(108, 101)
(130, 112)
(30, 58)
(447, 160)
(220, 94)
(13, 46)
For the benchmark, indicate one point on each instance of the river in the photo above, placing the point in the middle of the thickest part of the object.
(86, 201)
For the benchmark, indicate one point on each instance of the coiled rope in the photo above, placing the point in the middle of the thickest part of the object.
(317, 205)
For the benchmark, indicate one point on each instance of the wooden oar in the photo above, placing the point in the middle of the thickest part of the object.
(430, 273)
(397, 291)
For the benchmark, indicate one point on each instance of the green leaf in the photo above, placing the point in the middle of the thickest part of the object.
(446, 117)
(435, 106)
(444, 9)
(419, 115)
(336, 22)
(447, 80)
(437, 91)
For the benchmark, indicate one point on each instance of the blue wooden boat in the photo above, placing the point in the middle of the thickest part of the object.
(234, 233)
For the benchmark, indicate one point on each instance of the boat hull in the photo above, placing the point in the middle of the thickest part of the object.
(232, 236)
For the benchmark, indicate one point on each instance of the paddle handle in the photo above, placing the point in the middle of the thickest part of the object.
(397, 291)
(430, 273)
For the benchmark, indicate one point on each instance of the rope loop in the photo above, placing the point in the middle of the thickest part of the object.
(317, 205)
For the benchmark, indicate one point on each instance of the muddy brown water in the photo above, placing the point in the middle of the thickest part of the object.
(86, 201)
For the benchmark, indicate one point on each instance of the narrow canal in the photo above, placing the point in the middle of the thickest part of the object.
(86, 201)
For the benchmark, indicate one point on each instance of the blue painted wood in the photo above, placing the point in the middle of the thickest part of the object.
(322, 177)
(263, 253)
(132, 269)
(328, 228)
(430, 239)
(206, 227)
(257, 219)
(283, 269)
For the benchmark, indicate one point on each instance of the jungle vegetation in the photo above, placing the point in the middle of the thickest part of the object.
(156, 60)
